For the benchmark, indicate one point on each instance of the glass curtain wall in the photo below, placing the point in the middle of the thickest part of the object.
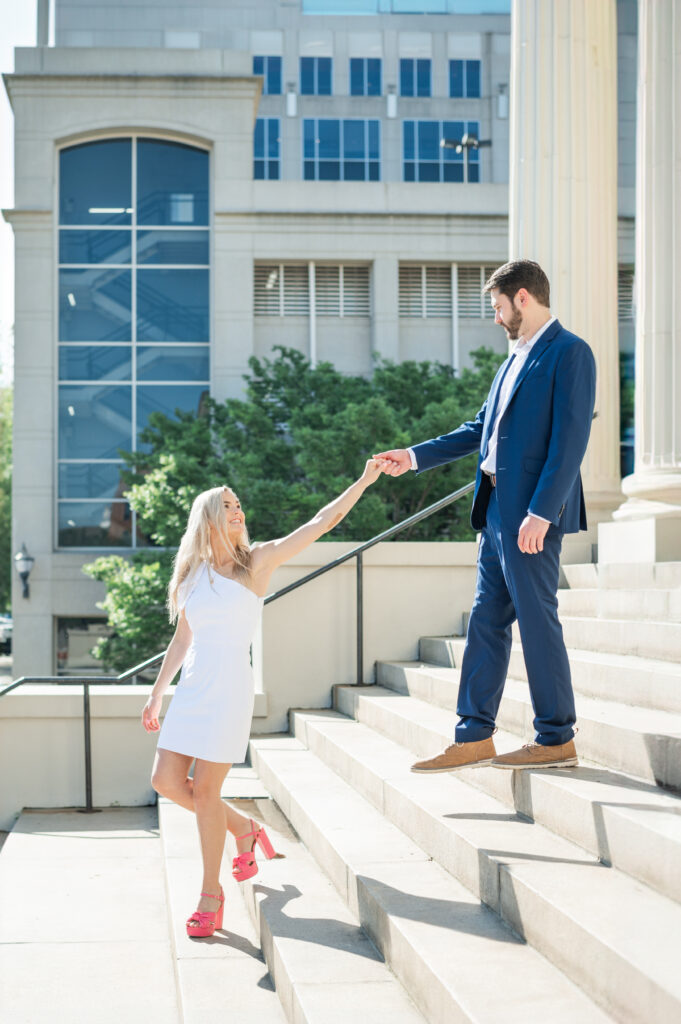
(134, 330)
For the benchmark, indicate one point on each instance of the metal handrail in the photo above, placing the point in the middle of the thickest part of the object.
(89, 680)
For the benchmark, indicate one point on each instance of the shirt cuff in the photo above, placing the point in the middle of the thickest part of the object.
(414, 464)
(535, 516)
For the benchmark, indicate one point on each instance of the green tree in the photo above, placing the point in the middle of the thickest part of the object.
(6, 406)
(300, 436)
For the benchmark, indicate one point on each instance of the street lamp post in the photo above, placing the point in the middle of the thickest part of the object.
(464, 145)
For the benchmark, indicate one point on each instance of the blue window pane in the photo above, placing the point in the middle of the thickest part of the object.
(453, 172)
(353, 171)
(409, 171)
(258, 65)
(408, 129)
(324, 76)
(95, 182)
(172, 305)
(94, 246)
(353, 140)
(473, 78)
(308, 170)
(90, 480)
(259, 170)
(273, 80)
(374, 140)
(373, 76)
(473, 128)
(95, 524)
(329, 138)
(307, 76)
(309, 139)
(356, 76)
(406, 77)
(166, 398)
(168, 246)
(429, 140)
(374, 172)
(423, 78)
(429, 172)
(456, 78)
(172, 183)
(273, 137)
(176, 362)
(259, 138)
(474, 172)
(329, 170)
(94, 362)
(273, 169)
(95, 305)
(94, 421)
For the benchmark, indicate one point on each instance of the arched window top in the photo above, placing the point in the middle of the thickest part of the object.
(107, 181)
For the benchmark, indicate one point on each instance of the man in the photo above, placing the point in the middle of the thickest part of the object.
(531, 434)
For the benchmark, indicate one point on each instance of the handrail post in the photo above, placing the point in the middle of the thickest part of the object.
(88, 809)
(360, 620)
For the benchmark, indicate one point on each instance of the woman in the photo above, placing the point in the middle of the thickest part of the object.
(216, 594)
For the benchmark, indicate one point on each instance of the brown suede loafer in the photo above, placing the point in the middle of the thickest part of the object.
(458, 755)
(534, 755)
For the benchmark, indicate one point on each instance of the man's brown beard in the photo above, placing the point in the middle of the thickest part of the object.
(513, 326)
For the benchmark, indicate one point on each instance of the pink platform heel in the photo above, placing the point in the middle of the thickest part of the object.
(203, 923)
(244, 866)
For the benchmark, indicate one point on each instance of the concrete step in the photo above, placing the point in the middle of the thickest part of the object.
(621, 820)
(657, 605)
(84, 927)
(325, 967)
(229, 966)
(456, 958)
(638, 741)
(643, 639)
(482, 846)
(629, 575)
(644, 682)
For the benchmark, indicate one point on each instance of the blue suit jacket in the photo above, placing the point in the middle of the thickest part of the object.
(543, 435)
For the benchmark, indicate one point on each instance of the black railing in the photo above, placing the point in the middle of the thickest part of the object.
(86, 681)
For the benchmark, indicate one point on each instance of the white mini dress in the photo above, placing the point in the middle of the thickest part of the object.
(210, 714)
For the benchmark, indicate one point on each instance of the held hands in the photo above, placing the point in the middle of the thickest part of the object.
(531, 535)
(373, 470)
(150, 714)
(396, 462)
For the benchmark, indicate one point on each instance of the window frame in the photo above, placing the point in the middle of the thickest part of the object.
(134, 344)
(465, 94)
(268, 72)
(365, 76)
(266, 160)
(366, 161)
(445, 157)
(315, 75)
(416, 92)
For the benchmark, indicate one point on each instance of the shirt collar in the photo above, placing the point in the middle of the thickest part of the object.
(524, 348)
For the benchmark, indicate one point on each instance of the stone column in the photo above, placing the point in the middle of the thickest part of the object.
(654, 488)
(563, 193)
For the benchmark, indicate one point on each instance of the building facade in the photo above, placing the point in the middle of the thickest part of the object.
(196, 184)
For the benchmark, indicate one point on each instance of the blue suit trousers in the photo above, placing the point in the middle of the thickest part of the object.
(510, 585)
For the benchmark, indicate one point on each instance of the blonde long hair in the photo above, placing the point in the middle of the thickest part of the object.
(195, 547)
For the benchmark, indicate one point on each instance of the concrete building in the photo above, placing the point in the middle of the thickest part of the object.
(198, 183)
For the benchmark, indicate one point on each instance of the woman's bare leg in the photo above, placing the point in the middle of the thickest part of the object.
(210, 818)
(169, 778)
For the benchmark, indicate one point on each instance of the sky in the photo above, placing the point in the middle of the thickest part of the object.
(17, 28)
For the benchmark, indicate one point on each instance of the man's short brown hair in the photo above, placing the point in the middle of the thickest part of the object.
(518, 274)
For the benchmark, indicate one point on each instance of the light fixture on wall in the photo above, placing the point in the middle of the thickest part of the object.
(502, 101)
(391, 98)
(23, 563)
(291, 99)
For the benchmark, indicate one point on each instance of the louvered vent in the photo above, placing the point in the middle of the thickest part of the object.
(296, 290)
(410, 291)
(487, 311)
(625, 293)
(327, 291)
(267, 290)
(438, 291)
(356, 291)
(470, 282)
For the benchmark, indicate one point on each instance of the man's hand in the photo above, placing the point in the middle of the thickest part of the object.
(531, 536)
(397, 461)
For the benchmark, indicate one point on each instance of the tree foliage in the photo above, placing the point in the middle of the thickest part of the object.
(298, 438)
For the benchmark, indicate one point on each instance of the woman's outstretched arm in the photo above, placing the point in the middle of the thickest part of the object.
(267, 556)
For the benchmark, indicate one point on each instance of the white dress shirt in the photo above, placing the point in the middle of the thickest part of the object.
(520, 352)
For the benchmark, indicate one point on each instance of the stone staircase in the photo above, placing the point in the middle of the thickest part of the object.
(492, 894)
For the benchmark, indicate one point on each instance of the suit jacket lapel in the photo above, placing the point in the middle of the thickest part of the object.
(536, 353)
